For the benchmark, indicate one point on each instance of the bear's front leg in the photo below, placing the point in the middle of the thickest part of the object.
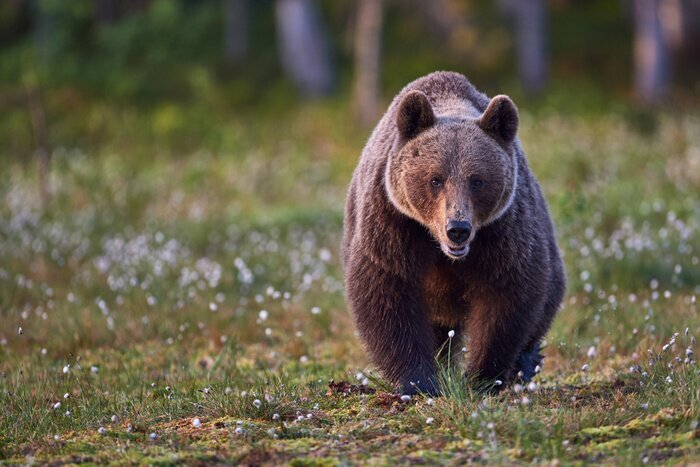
(390, 317)
(497, 332)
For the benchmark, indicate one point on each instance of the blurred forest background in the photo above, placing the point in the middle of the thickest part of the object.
(180, 64)
(172, 179)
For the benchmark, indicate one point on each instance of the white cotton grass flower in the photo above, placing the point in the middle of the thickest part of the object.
(257, 403)
(153, 436)
(66, 369)
(429, 420)
(430, 401)
(275, 416)
(591, 352)
(451, 333)
(114, 418)
(57, 406)
(405, 398)
(197, 423)
(102, 430)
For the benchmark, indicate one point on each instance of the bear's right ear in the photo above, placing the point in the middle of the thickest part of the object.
(500, 119)
(415, 115)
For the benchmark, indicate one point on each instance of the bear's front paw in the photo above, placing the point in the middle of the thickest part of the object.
(424, 386)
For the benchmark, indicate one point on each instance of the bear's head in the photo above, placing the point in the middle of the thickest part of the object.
(453, 174)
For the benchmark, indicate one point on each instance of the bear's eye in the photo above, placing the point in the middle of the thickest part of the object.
(436, 182)
(476, 183)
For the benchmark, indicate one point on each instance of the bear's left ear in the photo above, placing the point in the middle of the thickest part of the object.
(500, 119)
(415, 115)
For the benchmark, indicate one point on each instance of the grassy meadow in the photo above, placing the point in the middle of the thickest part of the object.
(180, 300)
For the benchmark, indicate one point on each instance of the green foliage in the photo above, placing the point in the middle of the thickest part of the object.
(143, 56)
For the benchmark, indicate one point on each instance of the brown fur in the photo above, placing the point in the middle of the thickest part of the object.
(445, 153)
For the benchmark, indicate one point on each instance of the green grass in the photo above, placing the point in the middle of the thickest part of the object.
(146, 278)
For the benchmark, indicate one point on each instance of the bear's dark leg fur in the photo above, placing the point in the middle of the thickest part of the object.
(390, 317)
(496, 340)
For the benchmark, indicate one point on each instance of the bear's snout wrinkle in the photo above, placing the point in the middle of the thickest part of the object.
(459, 231)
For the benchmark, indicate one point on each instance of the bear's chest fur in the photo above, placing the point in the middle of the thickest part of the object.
(446, 294)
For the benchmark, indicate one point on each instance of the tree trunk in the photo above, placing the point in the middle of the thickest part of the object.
(236, 20)
(530, 17)
(444, 18)
(673, 16)
(106, 11)
(651, 51)
(304, 48)
(41, 138)
(368, 44)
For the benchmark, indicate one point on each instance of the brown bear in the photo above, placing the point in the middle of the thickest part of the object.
(447, 229)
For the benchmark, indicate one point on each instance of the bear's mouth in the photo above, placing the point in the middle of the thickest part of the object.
(455, 252)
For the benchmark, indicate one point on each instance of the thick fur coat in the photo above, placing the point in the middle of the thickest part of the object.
(446, 229)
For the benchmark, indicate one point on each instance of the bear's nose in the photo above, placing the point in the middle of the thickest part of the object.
(458, 231)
